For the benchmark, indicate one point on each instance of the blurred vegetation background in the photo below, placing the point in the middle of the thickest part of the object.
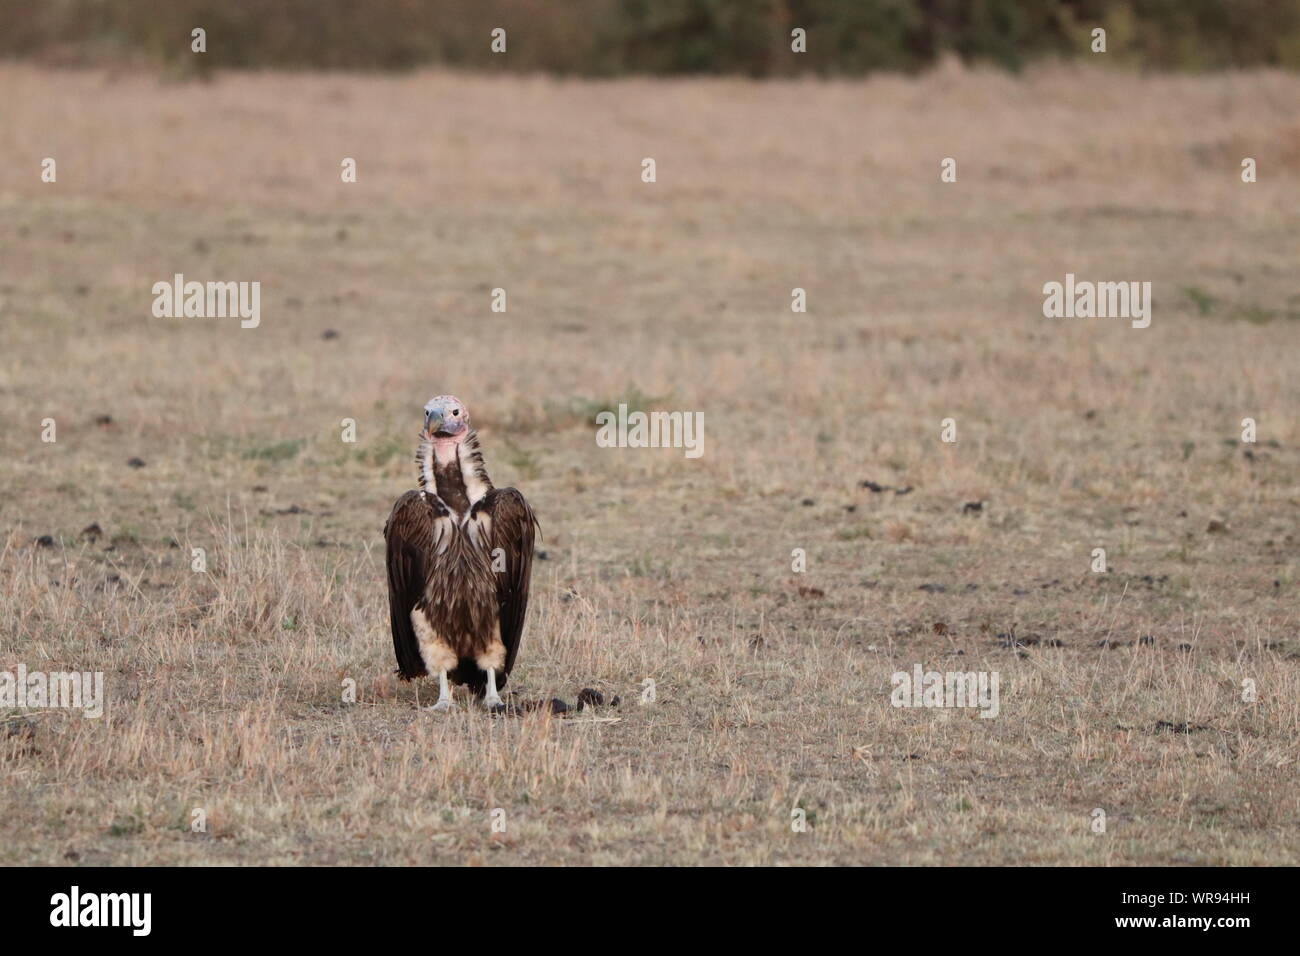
(612, 37)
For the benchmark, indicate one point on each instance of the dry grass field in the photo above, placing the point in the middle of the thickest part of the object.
(1120, 691)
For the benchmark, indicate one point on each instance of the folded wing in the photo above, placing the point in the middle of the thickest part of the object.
(409, 537)
(513, 529)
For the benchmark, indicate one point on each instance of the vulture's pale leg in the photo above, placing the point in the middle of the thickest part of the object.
(437, 654)
(491, 699)
(444, 693)
(489, 661)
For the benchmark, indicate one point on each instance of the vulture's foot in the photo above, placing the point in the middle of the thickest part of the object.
(444, 694)
(491, 699)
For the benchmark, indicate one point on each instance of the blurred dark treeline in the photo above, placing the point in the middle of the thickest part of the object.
(611, 37)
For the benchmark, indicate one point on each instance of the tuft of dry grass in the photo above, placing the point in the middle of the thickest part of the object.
(772, 687)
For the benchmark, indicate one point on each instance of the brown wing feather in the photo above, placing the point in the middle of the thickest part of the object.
(513, 527)
(409, 537)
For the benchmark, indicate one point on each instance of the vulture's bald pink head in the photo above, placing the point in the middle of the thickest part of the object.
(446, 419)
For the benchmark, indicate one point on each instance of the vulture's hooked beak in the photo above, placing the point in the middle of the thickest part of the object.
(432, 422)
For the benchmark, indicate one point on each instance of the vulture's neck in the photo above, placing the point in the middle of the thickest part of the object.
(454, 471)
